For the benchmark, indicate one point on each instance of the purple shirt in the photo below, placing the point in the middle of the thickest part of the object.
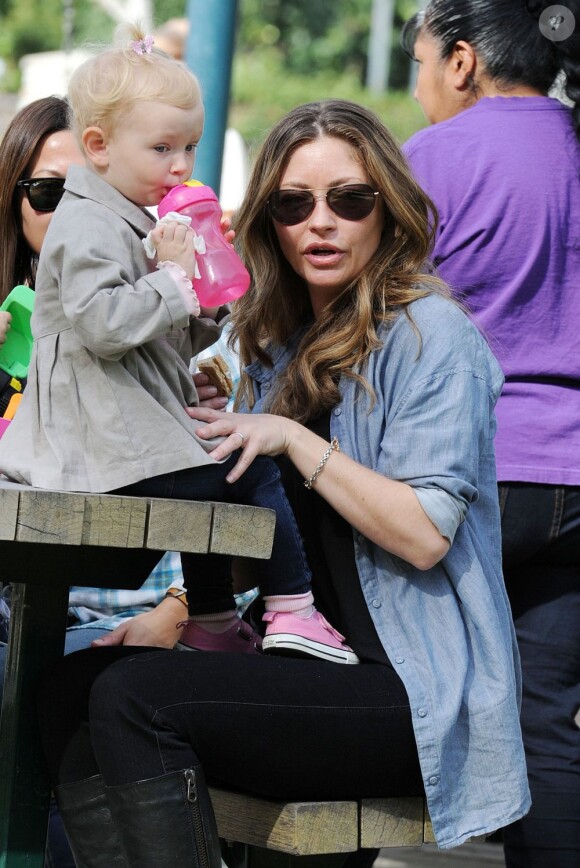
(505, 177)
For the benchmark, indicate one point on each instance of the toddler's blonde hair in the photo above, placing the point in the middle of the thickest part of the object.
(105, 88)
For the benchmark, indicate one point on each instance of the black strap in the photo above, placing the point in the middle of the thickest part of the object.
(7, 389)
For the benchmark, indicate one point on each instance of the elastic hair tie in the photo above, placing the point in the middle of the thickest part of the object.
(142, 46)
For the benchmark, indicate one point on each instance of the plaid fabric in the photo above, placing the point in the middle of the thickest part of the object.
(107, 607)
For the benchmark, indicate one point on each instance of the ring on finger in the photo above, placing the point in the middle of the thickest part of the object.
(242, 437)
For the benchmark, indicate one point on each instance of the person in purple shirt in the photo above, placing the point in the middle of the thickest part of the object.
(501, 162)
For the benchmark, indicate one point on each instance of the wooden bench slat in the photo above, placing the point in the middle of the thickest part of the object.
(35, 515)
(429, 837)
(8, 513)
(248, 534)
(310, 828)
(119, 523)
(179, 526)
(50, 517)
(392, 822)
(298, 828)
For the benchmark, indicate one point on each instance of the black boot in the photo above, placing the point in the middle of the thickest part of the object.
(88, 824)
(167, 821)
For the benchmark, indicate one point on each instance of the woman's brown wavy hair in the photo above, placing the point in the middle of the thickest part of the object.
(277, 304)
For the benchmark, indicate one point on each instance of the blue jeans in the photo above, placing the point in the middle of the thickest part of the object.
(207, 577)
(541, 560)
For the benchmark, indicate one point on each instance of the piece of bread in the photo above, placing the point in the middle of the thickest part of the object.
(219, 374)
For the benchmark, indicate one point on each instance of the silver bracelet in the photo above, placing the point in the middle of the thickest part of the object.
(334, 446)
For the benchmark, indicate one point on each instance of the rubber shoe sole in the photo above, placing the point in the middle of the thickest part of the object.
(298, 646)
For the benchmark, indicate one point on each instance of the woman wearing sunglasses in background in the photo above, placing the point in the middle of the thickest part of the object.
(376, 393)
(35, 153)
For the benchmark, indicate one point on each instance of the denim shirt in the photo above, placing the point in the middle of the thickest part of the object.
(447, 630)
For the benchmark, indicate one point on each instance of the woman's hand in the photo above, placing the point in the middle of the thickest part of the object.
(385, 511)
(255, 434)
(5, 319)
(157, 628)
(227, 231)
(207, 394)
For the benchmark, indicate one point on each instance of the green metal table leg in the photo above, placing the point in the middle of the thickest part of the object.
(36, 641)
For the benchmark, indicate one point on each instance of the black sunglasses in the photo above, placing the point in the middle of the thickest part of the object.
(351, 202)
(44, 194)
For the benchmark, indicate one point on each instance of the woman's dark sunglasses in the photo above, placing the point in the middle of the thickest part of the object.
(351, 202)
(44, 194)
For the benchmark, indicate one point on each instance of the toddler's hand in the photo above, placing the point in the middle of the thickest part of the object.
(5, 318)
(174, 242)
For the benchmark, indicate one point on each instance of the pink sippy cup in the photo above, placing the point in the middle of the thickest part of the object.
(223, 277)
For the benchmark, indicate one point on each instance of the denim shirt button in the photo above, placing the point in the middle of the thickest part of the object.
(399, 659)
(433, 780)
(376, 604)
(266, 387)
(360, 539)
(337, 411)
(422, 712)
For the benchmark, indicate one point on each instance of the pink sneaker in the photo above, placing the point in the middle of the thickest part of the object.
(305, 637)
(240, 638)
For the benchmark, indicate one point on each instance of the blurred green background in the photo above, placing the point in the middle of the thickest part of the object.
(287, 52)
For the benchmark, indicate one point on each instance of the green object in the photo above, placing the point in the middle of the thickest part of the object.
(16, 350)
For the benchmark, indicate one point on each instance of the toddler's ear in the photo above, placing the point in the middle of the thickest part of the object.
(95, 146)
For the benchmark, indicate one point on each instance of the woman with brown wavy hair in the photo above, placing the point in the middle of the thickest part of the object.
(376, 394)
(340, 339)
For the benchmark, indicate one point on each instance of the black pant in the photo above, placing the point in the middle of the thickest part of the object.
(279, 727)
(541, 560)
(208, 577)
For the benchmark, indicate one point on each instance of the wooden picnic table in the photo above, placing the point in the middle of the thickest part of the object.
(50, 540)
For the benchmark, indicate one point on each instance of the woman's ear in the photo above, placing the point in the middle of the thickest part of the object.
(462, 64)
(96, 146)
